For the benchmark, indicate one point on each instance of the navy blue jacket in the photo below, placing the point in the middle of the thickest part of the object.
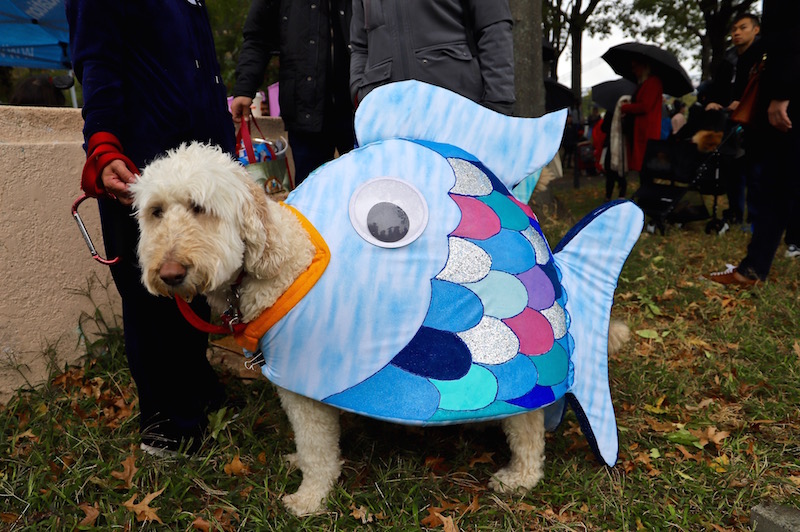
(149, 73)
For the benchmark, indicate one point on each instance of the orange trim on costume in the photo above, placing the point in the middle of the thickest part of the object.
(257, 328)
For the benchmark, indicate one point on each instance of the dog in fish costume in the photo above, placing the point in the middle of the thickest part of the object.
(429, 295)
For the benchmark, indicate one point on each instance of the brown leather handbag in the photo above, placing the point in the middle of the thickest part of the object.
(745, 113)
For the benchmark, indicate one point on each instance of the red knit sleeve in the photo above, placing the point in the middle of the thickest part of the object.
(102, 149)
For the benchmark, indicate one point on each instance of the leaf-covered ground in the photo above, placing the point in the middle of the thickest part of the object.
(706, 395)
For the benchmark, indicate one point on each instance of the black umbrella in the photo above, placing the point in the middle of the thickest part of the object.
(557, 96)
(608, 93)
(663, 64)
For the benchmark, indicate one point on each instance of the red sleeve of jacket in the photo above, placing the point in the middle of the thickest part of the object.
(101, 150)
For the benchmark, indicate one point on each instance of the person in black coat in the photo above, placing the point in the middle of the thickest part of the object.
(314, 74)
(465, 46)
(779, 94)
(727, 88)
(151, 82)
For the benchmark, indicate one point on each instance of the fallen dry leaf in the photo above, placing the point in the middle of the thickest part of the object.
(485, 458)
(433, 519)
(201, 524)
(474, 506)
(449, 525)
(720, 464)
(703, 404)
(8, 517)
(524, 507)
(92, 513)
(128, 470)
(361, 513)
(236, 467)
(142, 509)
(658, 426)
(437, 465)
(27, 434)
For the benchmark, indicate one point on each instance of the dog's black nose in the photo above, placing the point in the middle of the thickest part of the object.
(172, 273)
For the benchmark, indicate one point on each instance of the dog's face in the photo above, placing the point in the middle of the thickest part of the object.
(194, 212)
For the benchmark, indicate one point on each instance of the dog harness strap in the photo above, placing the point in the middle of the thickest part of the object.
(250, 336)
(198, 323)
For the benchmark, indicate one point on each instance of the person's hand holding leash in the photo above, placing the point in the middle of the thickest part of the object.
(116, 177)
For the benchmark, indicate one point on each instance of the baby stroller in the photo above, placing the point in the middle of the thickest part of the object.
(673, 173)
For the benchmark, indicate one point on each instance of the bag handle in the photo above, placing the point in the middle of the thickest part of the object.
(244, 137)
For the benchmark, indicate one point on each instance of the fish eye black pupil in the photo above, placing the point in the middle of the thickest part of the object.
(387, 222)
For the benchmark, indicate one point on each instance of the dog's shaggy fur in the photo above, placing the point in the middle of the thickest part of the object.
(203, 221)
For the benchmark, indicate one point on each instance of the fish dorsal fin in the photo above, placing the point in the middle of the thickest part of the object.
(512, 148)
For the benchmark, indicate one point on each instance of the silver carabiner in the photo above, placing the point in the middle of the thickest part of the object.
(85, 233)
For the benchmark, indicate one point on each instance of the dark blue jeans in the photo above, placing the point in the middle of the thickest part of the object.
(167, 356)
(779, 192)
(312, 150)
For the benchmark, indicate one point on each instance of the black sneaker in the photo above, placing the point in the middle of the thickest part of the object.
(163, 440)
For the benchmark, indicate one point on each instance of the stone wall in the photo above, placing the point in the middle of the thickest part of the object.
(46, 271)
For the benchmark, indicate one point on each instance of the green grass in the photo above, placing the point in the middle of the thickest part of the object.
(706, 395)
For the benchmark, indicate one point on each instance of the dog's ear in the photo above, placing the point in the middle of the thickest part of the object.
(265, 247)
(256, 228)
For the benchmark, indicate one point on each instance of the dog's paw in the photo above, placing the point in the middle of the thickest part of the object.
(304, 502)
(509, 480)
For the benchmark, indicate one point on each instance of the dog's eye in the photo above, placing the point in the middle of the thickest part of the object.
(156, 212)
(198, 209)
(388, 212)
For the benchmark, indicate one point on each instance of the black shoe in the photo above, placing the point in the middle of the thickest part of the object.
(164, 440)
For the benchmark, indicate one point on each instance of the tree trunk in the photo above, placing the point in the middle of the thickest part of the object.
(705, 58)
(528, 66)
(576, 36)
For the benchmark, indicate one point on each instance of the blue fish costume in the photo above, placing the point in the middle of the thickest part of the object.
(441, 301)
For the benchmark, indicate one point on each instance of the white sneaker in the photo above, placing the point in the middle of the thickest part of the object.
(159, 452)
(792, 251)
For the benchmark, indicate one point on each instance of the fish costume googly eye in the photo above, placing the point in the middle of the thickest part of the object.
(441, 301)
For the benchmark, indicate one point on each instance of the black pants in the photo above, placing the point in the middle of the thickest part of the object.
(312, 150)
(779, 193)
(613, 177)
(167, 356)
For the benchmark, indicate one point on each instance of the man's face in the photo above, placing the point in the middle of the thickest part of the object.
(744, 33)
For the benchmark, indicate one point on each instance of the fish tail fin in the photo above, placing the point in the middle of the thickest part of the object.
(590, 258)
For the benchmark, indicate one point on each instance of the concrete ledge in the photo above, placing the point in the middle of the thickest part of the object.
(46, 271)
(767, 517)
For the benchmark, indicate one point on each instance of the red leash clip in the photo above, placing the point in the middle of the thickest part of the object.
(85, 233)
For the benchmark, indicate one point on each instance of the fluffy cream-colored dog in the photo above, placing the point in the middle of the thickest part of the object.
(203, 222)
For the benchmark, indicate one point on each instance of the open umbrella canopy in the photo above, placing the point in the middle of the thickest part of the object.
(608, 93)
(557, 96)
(663, 64)
(34, 34)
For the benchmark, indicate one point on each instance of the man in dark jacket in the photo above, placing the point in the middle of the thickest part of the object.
(150, 82)
(734, 71)
(314, 72)
(779, 93)
(461, 45)
(727, 88)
